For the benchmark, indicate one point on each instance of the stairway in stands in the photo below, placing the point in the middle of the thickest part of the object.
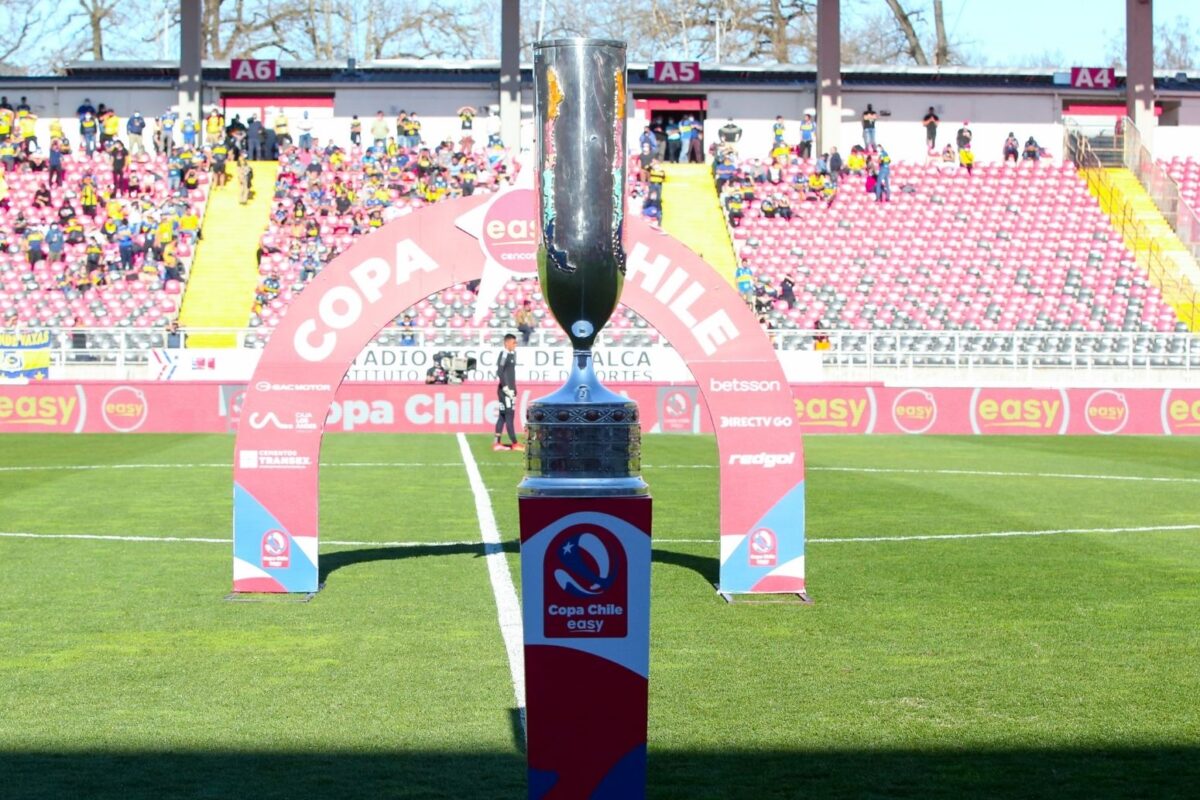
(692, 214)
(224, 272)
(1147, 233)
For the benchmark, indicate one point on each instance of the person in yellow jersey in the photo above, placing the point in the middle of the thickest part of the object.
(110, 128)
(219, 155)
(214, 127)
(7, 119)
(56, 129)
(282, 137)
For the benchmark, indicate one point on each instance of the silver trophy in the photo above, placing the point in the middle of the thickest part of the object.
(582, 440)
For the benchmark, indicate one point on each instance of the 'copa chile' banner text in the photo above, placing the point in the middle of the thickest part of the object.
(101, 407)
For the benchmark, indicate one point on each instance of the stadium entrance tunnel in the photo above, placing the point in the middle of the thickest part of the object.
(358, 294)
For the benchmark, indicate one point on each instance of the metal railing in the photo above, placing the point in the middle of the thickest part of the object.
(1177, 290)
(1162, 189)
(119, 353)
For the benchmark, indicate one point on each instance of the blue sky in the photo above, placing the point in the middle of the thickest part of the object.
(1016, 32)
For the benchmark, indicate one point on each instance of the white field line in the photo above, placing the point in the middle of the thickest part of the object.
(492, 548)
(1077, 476)
(507, 606)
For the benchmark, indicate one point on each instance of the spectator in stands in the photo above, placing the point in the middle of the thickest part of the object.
(962, 139)
(110, 127)
(1032, 151)
(815, 185)
(735, 207)
(214, 126)
(8, 155)
(883, 179)
(84, 108)
(55, 242)
(245, 175)
(768, 207)
(89, 197)
(87, 132)
(525, 321)
(256, 139)
(34, 241)
(808, 132)
(948, 155)
(856, 164)
(188, 129)
(355, 131)
(219, 157)
(674, 141)
(869, 118)
(27, 127)
(379, 129)
(744, 277)
(835, 165)
(730, 133)
(966, 159)
(1012, 148)
(687, 131)
(283, 138)
(134, 128)
(787, 290)
(120, 174)
(413, 130)
(306, 139)
(784, 205)
(931, 122)
(164, 136)
(42, 198)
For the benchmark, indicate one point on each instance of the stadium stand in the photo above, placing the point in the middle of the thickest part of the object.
(1008, 248)
(1186, 173)
(122, 266)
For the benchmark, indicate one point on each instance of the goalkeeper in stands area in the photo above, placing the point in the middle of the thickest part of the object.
(506, 372)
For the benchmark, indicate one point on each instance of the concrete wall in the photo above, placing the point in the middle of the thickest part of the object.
(992, 113)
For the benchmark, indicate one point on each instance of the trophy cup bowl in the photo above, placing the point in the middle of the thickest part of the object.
(583, 439)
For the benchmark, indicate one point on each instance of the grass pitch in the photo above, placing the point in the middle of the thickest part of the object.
(1057, 666)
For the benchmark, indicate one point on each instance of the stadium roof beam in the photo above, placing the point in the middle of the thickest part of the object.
(1139, 61)
(190, 67)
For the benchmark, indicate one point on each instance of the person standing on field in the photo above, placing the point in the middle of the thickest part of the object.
(506, 392)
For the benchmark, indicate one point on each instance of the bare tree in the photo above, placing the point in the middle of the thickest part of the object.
(19, 22)
(908, 28)
(1176, 46)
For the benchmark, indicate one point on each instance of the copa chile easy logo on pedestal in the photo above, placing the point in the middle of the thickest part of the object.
(586, 585)
(276, 550)
(764, 548)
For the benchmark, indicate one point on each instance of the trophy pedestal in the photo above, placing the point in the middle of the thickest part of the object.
(585, 584)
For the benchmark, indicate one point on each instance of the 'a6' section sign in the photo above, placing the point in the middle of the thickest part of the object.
(252, 69)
